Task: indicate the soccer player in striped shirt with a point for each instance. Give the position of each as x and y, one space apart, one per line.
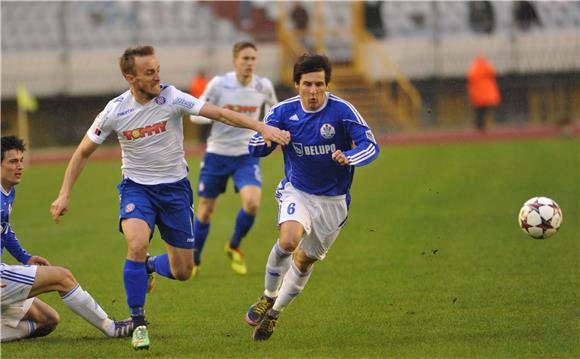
329 139
227 152
22 314
154 191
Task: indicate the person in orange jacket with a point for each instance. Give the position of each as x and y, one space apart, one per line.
483 90
198 84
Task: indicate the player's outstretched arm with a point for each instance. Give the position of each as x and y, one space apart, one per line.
75 166
229 117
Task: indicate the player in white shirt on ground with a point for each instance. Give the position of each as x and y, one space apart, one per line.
227 152
22 314
329 139
154 191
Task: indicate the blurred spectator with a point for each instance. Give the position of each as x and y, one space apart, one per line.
374 18
299 16
525 15
481 16
483 90
300 20
198 84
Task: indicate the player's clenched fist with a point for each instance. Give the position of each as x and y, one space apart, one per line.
340 157
58 208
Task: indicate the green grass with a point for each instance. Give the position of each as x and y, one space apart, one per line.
430 265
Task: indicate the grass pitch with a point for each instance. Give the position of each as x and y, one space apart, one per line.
431 264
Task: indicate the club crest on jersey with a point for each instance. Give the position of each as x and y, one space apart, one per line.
160 100
129 208
327 131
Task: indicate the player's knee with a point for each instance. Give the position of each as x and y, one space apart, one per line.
289 241
183 274
46 324
303 262
251 207
205 216
137 249
66 279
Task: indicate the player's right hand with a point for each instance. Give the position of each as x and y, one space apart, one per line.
274 134
58 208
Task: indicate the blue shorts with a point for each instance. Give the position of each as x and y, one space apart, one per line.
216 169
167 205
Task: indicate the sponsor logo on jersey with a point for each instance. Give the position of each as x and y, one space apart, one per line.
160 100
242 108
118 99
370 136
97 131
126 112
259 86
313 150
146 131
294 117
327 131
129 208
298 148
183 102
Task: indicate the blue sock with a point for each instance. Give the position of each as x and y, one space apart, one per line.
135 278
244 222
162 266
201 231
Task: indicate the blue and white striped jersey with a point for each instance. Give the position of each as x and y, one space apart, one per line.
308 163
9 239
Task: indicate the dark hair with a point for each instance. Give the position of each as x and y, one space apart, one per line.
312 63
127 60
239 46
12 143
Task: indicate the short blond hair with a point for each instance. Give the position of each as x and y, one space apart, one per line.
127 60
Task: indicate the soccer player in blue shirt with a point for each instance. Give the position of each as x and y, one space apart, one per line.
329 139
154 191
22 314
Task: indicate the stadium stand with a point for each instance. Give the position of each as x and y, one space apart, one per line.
64 48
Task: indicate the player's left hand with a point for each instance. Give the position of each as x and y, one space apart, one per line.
38 260
340 157
273 134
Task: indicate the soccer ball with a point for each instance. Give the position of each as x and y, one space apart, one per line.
540 217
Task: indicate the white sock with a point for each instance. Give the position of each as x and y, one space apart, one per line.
22 330
81 302
276 268
292 285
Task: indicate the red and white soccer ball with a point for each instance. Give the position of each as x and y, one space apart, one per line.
540 217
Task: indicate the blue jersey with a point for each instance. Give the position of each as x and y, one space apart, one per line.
308 162
9 239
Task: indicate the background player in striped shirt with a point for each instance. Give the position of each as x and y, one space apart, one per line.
154 191
227 152
329 139
22 314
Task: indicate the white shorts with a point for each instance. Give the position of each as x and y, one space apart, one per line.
18 280
321 216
